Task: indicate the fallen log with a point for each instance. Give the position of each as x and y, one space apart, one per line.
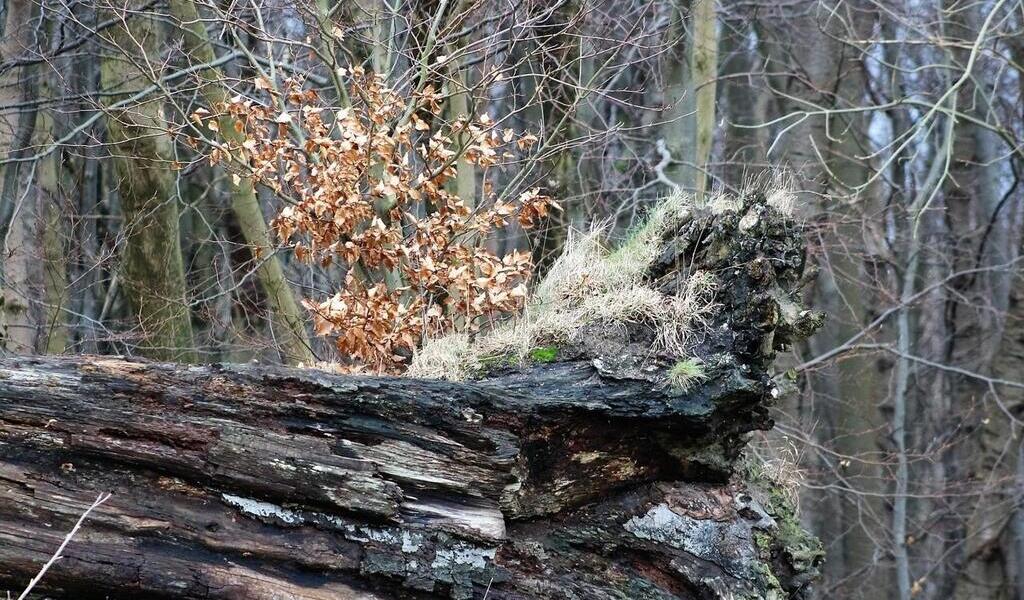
577 476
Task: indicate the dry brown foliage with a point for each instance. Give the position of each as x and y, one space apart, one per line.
365 185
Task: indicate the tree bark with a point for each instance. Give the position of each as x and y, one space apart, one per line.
153 270
691 76
586 477
288 319
18 315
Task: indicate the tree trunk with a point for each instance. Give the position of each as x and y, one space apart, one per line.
18 311
691 76
704 74
585 477
744 101
285 313
845 393
153 272
351 486
460 106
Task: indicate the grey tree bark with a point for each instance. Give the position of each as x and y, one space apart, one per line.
18 315
152 270
690 79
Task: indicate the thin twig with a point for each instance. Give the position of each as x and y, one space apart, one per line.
67 539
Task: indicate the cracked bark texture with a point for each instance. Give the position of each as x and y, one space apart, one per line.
585 477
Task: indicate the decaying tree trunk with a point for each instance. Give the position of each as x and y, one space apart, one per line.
583 477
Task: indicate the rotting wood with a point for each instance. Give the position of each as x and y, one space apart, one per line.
586 477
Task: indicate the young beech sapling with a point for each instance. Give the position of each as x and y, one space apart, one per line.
365 184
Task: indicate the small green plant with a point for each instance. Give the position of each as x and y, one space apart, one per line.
687 373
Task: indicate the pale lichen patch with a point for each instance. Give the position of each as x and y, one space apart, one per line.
728 544
38 377
463 555
411 542
262 510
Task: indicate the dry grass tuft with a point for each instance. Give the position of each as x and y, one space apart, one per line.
776 186
449 357
783 201
722 203
688 314
586 285
777 460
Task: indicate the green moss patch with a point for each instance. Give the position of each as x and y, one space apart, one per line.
544 354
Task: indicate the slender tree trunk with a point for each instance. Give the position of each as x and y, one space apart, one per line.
381 34
87 273
460 106
54 338
53 208
152 272
286 316
1017 522
19 23
743 104
704 61
558 91
985 233
899 425
679 100
847 394
690 82
1014 333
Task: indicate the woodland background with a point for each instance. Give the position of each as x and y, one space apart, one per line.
899 123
